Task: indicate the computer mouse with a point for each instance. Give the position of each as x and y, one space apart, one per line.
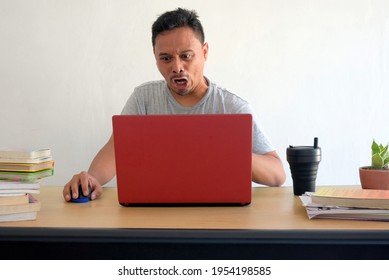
81 197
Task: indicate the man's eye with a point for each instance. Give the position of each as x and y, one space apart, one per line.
186 56
165 58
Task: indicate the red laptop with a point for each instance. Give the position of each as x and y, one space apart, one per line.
183 159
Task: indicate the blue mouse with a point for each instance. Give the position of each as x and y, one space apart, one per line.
81 197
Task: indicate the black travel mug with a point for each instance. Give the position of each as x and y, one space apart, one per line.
304 164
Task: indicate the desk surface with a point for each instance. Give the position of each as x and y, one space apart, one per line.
271 209
274 226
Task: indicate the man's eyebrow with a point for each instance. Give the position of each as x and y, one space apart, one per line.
168 54
163 54
188 50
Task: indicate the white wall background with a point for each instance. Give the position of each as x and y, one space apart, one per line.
309 68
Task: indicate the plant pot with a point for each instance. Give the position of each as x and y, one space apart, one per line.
374 178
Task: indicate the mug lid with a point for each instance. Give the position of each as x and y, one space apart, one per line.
303 151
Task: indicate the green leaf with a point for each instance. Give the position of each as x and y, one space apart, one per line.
377 161
375 148
383 151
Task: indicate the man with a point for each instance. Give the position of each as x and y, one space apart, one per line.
180 53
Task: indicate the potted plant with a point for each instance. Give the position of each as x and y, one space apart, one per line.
376 176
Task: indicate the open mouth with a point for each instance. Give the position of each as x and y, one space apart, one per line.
180 81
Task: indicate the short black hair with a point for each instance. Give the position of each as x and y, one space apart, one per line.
175 19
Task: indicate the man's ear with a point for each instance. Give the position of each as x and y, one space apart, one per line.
205 50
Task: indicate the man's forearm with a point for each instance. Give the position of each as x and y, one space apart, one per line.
267 169
103 165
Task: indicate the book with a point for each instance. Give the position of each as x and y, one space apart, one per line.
26 167
24 153
33 205
26 176
18 191
13 199
15 217
352 197
26 160
18 187
15 185
318 211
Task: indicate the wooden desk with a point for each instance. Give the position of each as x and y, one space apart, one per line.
273 226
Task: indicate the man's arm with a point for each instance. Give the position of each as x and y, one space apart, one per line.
267 169
103 165
101 171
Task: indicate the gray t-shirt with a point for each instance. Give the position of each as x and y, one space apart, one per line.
154 98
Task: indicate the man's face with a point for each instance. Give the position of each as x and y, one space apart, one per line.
180 58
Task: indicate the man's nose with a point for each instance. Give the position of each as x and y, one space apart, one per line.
178 66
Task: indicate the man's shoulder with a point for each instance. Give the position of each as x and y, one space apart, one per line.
226 94
151 85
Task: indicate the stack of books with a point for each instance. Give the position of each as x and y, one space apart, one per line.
347 203
21 172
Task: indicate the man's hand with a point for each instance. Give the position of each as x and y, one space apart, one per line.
84 179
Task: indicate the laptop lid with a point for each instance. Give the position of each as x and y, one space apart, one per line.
183 159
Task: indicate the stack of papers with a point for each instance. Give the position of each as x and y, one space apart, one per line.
316 210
